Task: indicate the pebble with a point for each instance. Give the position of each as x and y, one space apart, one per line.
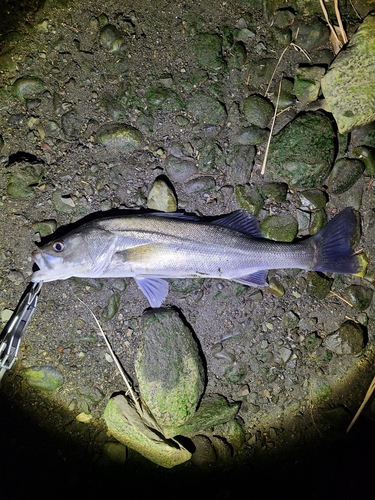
27 87
313 198
367 156
310 35
180 170
206 109
200 184
204 454
240 163
62 203
119 136
302 153
208 51
252 136
348 86
112 306
45 227
348 339
110 38
249 198
280 227
161 196
318 285
46 378
359 296
307 83
258 110
345 173
115 452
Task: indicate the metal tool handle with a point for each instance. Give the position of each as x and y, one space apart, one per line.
11 336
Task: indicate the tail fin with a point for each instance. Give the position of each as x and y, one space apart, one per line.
334 253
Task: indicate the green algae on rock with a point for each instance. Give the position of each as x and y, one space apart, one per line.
280 227
302 153
169 369
45 377
28 87
119 136
349 85
127 426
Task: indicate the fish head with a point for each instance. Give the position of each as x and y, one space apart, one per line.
80 253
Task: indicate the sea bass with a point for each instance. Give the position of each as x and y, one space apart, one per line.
152 246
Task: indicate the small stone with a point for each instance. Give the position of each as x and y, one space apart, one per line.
200 184
62 203
180 170
290 320
237 56
249 198
317 285
119 136
348 339
359 296
161 196
204 454
307 83
208 49
43 377
285 354
45 227
280 227
252 136
111 39
112 306
206 109
349 84
258 110
310 35
286 97
318 220
302 153
367 156
313 199
275 190
345 173
84 418
240 163
28 87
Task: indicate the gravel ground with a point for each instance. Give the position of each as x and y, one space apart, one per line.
144 64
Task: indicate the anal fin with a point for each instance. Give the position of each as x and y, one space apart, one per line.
155 289
255 279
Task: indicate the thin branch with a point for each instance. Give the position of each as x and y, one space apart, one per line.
366 398
272 127
114 357
339 20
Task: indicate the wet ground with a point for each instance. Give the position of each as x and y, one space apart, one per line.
264 348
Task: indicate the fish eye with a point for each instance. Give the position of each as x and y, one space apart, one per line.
58 246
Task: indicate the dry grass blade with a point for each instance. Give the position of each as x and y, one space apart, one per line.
339 20
114 357
272 127
366 398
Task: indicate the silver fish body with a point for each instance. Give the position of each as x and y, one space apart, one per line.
151 247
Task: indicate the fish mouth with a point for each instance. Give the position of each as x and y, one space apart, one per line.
46 266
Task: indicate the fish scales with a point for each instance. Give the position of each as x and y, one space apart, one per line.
151 247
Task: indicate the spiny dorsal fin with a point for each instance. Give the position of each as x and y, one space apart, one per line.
242 222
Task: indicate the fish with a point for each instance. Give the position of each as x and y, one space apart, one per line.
152 247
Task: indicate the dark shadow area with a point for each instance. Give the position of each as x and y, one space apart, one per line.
31 460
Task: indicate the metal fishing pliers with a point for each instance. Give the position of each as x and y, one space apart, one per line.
11 336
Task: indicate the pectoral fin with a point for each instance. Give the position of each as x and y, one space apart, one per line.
155 289
255 279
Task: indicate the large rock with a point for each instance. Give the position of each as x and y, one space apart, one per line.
126 424
169 369
302 153
349 85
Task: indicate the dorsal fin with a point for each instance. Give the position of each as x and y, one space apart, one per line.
242 222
